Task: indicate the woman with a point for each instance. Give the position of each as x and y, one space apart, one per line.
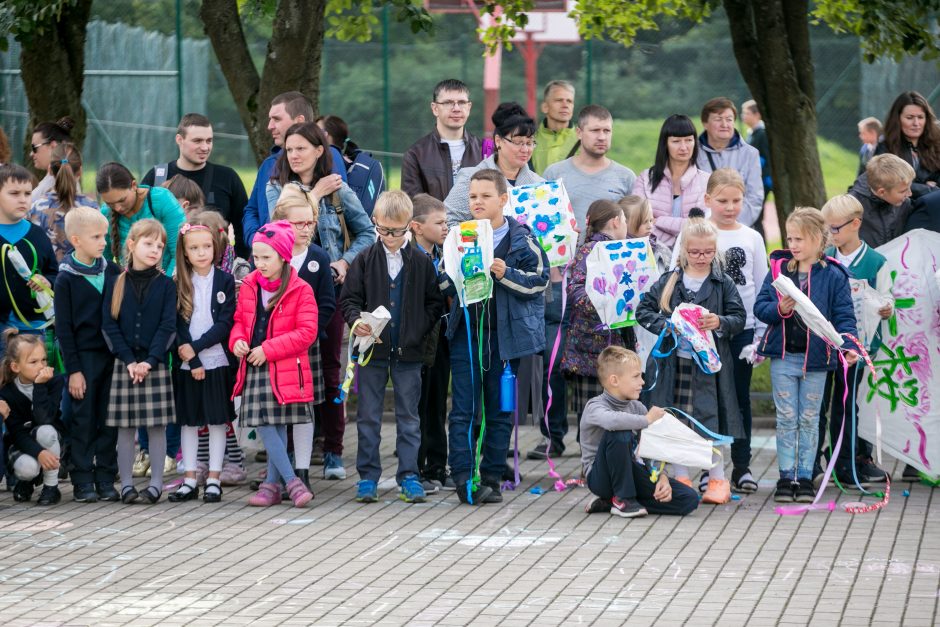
911 132
514 136
306 161
46 136
674 184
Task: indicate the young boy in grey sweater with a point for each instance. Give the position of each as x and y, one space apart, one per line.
620 481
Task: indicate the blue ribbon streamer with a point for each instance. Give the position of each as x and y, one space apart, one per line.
720 440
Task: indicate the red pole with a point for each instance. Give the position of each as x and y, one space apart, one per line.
530 54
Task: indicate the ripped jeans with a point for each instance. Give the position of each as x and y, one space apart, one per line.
798 398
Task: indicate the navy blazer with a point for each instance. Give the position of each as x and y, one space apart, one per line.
78 314
223 318
143 331
316 271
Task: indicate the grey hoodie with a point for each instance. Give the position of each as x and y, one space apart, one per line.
740 156
606 413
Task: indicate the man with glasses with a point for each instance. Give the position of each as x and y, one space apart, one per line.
431 163
722 147
556 138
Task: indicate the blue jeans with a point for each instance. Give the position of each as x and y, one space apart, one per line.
741 448
798 398
558 412
406 383
465 402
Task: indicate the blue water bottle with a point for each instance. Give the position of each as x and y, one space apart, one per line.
507 390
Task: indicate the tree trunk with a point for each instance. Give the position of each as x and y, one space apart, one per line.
771 45
52 68
292 62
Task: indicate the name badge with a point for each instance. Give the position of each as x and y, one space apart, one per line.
313 266
220 297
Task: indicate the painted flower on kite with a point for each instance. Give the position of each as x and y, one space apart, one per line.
542 225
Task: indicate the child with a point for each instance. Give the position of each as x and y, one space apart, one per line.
744 259
18 305
124 202
513 326
884 191
312 264
605 221
275 324
799 359
79 298
397 277
620 482
139 322
639 217
429 230
187 193
676 380
843 215
29 402
203 383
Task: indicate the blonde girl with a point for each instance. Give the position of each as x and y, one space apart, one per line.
639 216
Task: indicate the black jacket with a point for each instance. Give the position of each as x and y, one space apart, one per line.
881 222
223 319
426 166
78 308
367 287
38 254
26 415
144 331
921 174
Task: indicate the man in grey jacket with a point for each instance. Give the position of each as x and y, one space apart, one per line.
721 146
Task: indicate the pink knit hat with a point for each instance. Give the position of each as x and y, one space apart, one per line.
279 236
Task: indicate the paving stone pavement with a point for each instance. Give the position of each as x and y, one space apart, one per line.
533 559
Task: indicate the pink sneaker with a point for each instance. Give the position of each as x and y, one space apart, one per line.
233 474
299 493
268 494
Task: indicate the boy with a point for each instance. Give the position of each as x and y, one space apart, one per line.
620 482
845 217
869 133
508 325
429 228
88 362
404 281
884 191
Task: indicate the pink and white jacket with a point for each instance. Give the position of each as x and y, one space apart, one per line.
666 228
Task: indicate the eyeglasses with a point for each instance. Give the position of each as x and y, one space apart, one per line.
454 104
384 230
36 147
303 224
701 254
523 144
835 229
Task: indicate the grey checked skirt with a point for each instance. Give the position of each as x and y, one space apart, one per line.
260 407
316 369
146 404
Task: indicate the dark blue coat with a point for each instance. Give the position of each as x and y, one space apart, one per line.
315 270
144 331
223 318
828 289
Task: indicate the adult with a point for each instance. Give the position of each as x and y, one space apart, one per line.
46 136
590 175
870 133
757 137
287 109
221 185
674 185
556 138
343 230
431 164
364 174
721 146
912 133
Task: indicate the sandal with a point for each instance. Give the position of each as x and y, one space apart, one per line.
129 494
743 482
151 494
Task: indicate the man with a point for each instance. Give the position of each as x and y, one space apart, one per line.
221 185
287 109
430 165
555 139
723 147
757 137
588 176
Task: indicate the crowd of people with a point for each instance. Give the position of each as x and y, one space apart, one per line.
142 324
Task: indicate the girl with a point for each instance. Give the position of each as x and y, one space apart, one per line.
312 264
275 324
912 133
138 323
49 211
675 380
30 397
187 193
674 184
203 382
799 360
639 216
124 203
605 221
46 136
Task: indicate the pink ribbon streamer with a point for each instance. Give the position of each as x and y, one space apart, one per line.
559 480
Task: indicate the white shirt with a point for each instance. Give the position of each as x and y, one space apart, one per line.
25 388
214 356
457 148
297 261
848 260
395 262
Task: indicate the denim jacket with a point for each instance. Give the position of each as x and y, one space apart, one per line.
361 231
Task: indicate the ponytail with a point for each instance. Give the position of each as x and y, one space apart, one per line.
66 165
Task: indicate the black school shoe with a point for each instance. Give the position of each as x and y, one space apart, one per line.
785 491
22 491
480 494
212 493
85 493
106 492
50 495
805 493
184 493
493 484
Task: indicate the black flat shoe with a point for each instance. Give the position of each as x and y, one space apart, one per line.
184 493
151 494
212 494
129 495
22 491
50 495
106 492
84 493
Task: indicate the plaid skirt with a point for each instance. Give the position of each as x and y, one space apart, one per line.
316 368
682 397
583 389
260 406
146 404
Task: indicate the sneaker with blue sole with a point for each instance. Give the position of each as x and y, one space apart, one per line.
366 491
411 490
333 466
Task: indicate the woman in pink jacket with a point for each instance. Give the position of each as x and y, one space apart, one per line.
674 184
275 324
